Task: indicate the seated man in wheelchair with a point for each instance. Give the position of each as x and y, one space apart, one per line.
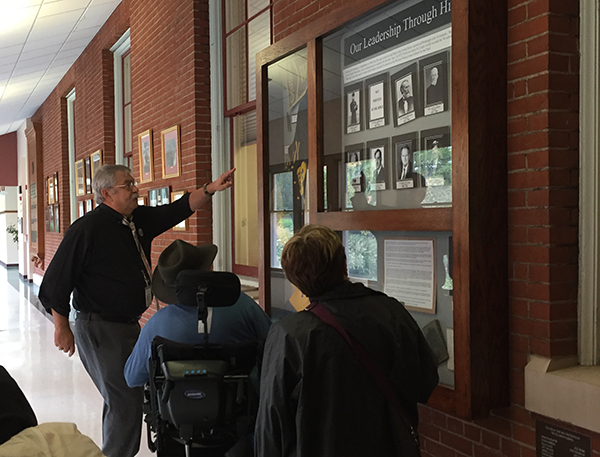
178 351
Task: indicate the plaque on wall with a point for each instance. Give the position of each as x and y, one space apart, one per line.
554 441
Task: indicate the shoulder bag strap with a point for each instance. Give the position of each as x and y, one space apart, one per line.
372 367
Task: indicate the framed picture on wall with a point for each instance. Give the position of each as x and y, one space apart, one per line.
165 195
88 205
171 153
88 175
96 161
152 197
56 218
146 156
51 218
80 177
183 225
142 200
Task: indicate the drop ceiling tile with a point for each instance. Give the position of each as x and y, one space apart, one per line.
62 6
52 40
8 61
88 34
32 51
80 43
17 38
96 16
39 63
10 50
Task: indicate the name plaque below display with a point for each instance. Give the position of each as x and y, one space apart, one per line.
553 441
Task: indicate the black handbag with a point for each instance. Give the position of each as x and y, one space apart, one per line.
376 372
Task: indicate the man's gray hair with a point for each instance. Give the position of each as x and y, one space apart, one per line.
104 178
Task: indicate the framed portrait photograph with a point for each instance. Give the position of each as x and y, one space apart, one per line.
50 186
377 96
56 218
434 159
163 196
88 175
146 156
377 170
171 153
96 161
152 197
403 151
354 154
80 177
434 80
354 107
183 225
405 95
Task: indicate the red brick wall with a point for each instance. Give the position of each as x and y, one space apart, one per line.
8 158
170 77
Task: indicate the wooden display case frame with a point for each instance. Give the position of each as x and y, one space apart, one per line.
478 216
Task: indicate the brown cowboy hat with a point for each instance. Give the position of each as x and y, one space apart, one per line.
176 257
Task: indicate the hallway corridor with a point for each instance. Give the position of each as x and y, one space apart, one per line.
57 386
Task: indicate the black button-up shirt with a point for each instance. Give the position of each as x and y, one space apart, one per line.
99 262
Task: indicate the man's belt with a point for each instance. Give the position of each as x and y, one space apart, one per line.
97 317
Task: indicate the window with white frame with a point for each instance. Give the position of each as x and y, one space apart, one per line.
71 149
589 187
122 77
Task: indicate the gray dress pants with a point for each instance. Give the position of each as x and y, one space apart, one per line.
104 348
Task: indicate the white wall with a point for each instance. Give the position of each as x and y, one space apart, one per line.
9 254
25 265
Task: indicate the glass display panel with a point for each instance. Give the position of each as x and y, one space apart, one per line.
387 113
288 165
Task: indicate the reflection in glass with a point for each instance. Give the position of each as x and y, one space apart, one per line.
361 255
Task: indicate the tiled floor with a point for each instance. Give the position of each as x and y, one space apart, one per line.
57 386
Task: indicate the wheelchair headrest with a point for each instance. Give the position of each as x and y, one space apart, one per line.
222 288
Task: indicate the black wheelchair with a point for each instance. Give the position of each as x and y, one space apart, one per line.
201 400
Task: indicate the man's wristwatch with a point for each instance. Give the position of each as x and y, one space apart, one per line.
206 192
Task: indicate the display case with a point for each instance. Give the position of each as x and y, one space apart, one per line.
387 123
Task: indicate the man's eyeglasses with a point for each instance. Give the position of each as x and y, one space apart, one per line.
128 185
